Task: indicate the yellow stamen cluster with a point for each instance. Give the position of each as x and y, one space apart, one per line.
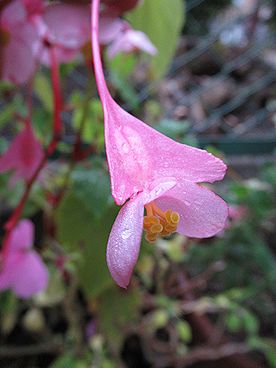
159 223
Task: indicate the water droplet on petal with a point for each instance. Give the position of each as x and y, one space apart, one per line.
187 203
125 147
126 234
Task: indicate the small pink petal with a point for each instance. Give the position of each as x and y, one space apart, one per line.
202 213
110 28
124 241
23 155
30 275
22 237
129 41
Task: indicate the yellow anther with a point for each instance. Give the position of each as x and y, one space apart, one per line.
157 228
175 218
158 222
151 238
150 220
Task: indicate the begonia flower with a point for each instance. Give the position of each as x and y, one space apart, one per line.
22 270
23 155
149 170
17 38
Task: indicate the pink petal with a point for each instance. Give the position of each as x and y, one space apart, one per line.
130 41
30 275
18 62
202 213
68 25
13 14
23 155
22 237
34 7
137 154
124 241
110 28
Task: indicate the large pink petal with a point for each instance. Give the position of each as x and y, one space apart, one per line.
124 241
202 212
22 237
68 25
136 153
30 276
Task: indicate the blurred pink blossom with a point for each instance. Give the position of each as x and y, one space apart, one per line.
23 155
130 40
17 36
147 169
22 270
66 28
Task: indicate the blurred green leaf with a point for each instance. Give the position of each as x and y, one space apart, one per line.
271 357
92 187
81 231
172 128
162 21
233 321
118 308
184 331
89 114
8 111
43 90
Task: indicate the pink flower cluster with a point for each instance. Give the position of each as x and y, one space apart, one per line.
30 28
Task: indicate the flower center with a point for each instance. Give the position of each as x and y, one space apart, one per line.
159 223
4 37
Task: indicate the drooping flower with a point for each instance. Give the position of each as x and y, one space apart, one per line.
23 155
17 38
22 269
149 170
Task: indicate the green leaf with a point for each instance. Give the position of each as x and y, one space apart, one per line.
184 331
7 112
117 309
44 91
93 189
90 115
79 230
162 21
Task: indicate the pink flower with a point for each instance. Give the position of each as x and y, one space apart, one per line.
149 170
23 155
130 40
22 269
17 36
64 27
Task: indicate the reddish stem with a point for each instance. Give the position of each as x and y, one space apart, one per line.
57 130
